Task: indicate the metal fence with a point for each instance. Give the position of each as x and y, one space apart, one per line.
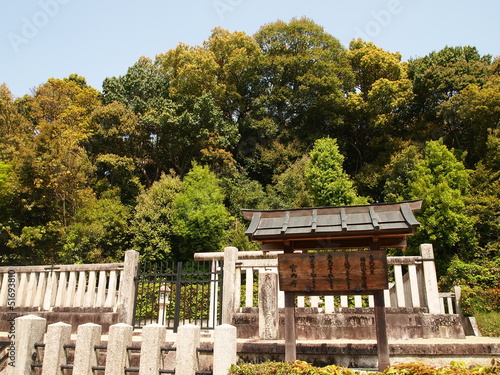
173 294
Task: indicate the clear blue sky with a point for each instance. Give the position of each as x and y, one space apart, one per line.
40 39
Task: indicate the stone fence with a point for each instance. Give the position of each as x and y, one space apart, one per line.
105 291
51 349
414 289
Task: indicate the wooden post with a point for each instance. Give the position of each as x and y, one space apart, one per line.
381 331
380 321
290 338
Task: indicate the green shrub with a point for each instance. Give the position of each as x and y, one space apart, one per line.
489 323
414 368
287 368
478 299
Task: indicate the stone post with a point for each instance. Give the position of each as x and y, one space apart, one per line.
29 330
430 279
88 336
58 335
153 337
228 285
188 341
126 295
120 336
224 349
249 288
268 305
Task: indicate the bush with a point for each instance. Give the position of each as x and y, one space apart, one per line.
414 368
475 300
287 368
489 323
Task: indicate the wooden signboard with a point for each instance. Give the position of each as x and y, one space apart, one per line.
333 272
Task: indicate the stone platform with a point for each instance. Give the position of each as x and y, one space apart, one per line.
346 353
363 353
357 324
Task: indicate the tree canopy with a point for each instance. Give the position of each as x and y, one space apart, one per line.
165 156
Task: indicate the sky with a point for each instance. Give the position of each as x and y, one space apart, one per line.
40 39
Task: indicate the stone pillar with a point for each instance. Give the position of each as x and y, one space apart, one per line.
430 279
120 336
224 349
249 288
88 336
268 305
415 298
188 341
237 289
58 335
229 283
153 337
126 296
29 330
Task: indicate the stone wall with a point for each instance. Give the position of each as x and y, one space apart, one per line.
356 324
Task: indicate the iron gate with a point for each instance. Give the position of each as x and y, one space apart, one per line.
173 294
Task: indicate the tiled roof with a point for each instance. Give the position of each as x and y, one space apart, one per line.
395 220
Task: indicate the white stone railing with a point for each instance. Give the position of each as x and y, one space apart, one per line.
45 287
78 286
414 285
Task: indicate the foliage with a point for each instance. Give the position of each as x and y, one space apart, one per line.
152 222
413 368
480 300
290 189
286 368
99 232
79 166
441 180
328 184
200 218
481 273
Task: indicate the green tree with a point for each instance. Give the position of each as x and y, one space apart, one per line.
441 180
328 184
438 77
484 200
153 219
52 171
200 218
143 83
290 188
470 115
98 233
305 73
376 110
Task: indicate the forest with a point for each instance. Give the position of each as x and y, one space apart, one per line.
164 157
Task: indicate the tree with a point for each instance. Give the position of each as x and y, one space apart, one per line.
470 115
200 218
153 219
143 83
290 188
239 59
438 77
328 184
376 110
301 91
51 168
484 200
98 233
441 180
